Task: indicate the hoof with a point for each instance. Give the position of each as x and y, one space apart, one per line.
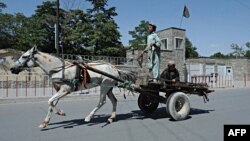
110 120
61 113
43 124
87 119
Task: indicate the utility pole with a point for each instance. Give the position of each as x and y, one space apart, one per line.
57 38
57 29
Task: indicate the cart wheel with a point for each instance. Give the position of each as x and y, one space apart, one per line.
178 106
147 104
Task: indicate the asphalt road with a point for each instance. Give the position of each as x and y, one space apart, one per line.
19 121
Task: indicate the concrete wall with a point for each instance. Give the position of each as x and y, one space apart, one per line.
240 66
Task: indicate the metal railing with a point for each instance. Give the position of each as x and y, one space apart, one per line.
112 60
22 86
214 81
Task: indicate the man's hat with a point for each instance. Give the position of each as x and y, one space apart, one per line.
153 25
171 62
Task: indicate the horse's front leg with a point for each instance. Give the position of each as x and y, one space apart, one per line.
114 103
52 106
45 122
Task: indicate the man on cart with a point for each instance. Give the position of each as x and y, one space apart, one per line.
170 74
153 50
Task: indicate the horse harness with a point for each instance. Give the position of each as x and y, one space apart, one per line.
82 76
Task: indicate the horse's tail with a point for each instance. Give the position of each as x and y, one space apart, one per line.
128 75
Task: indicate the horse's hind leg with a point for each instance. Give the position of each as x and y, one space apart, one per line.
102 101
114 103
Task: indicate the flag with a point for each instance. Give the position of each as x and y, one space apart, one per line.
186 12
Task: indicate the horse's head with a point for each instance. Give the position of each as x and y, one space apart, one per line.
27 60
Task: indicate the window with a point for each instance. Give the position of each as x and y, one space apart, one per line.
209 69
229 71
164 44
195 69
178 43
221 70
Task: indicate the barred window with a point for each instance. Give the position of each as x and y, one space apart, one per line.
164 44
178 43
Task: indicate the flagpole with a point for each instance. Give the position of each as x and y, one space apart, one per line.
181 21
57 29
181 18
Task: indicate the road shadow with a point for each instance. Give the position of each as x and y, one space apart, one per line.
65 124
160 113
196 111
97 119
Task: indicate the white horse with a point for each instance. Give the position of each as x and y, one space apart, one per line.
66 78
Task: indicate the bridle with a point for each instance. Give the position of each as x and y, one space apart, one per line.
29 57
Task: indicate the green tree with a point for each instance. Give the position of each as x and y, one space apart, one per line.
31 33
10 27
74 29
42 25
2 5
78 29
22 37
218 55
190 50
37 29
112 51
237 50
247 54
139 35
104 31
6 30
248 45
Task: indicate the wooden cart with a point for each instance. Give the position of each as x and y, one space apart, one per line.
176 97
176 94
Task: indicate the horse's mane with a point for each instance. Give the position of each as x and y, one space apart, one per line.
128 75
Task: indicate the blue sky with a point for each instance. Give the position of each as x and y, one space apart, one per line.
212 27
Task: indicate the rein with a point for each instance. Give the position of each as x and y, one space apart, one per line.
84 73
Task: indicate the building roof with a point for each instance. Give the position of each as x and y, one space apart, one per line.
171 28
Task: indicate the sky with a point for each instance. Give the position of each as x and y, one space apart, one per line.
212 27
